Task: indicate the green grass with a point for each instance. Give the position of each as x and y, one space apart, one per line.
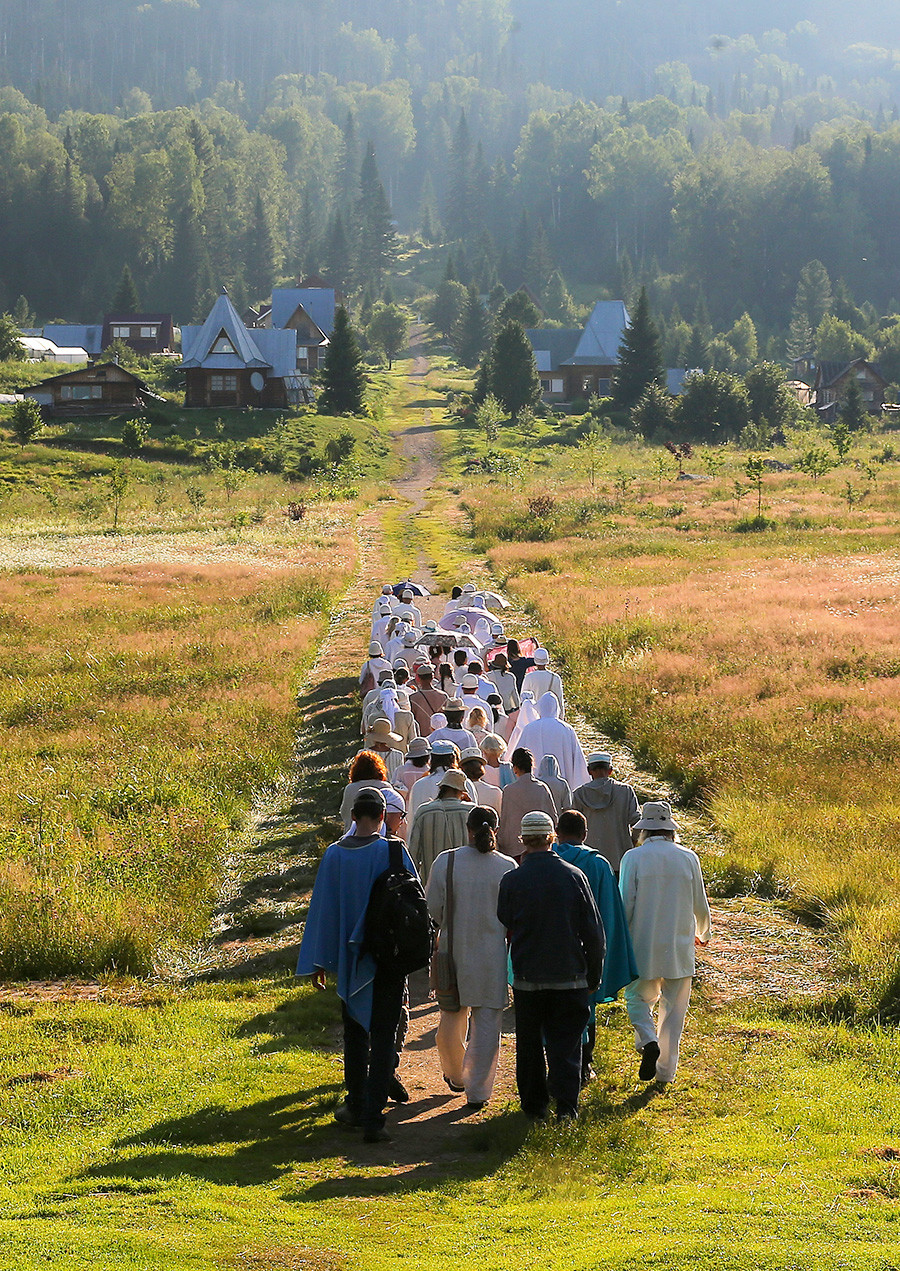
193 1130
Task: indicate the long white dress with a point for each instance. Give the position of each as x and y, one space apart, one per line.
468 1040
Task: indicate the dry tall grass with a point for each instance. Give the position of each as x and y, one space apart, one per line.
142 707
760 673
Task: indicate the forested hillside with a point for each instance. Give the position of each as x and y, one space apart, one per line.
710 153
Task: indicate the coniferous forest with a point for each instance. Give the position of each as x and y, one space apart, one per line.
742 162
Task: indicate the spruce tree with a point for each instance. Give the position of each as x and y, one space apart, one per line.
556 299
471 331
126 298
853 408
343 380
260 258
338 252
640 357
376 245
514 376
458 209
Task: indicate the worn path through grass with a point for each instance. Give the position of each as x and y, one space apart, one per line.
188 1123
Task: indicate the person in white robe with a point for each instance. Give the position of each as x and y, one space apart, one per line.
527 714
374 664
550 735
468 1040
540 679
668 915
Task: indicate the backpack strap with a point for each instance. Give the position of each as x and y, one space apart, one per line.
395 848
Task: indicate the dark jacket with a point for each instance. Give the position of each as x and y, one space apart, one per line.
556 937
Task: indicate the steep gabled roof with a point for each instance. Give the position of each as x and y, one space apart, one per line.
828 372
552 346
602 335
223 317
317 302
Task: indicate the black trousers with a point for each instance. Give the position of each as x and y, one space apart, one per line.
371 1057
549 1025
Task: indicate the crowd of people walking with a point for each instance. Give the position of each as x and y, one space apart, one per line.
541 871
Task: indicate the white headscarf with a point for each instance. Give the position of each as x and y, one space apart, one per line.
388 699
528 713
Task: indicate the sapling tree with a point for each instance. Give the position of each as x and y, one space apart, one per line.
755 470
26 421
488 417
593 446
815 462
841 438
119 481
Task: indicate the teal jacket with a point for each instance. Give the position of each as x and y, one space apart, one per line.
619 967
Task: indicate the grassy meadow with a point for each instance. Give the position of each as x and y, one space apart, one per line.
157 613
754 661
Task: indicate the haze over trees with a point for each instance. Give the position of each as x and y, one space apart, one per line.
743 166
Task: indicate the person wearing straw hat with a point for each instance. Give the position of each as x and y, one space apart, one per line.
610 808
415 768
463 902
452 729
382 739
556 948
426 700
668 916
473 765
441 824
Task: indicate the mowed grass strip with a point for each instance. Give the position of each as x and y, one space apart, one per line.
193 1129
142 707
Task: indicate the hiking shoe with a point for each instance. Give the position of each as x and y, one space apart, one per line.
455 1088
397 1092
649 1056
345 1116
377 1136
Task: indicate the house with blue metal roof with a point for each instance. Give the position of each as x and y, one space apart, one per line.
573 364
227 365
309 313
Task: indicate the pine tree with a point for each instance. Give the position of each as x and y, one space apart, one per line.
800 336
458 209
696 355
22 313
853 408
338 252
191 271
126 298
540 261
514 376
260 257
444 311
482 385
556 299
813 296
343 379
471 332
640 357
376 245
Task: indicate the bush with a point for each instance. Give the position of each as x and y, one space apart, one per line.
754 525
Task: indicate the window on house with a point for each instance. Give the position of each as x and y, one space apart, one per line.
223 383
222 344
556 386
149 333
603 388
121 333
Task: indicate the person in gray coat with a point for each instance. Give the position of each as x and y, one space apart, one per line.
610 808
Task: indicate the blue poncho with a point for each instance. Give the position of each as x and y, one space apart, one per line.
619 967
335 925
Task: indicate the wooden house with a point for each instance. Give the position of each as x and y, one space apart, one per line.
146 333
102 389
228 365
575 364
830 386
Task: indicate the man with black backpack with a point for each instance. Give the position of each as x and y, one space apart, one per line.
368 922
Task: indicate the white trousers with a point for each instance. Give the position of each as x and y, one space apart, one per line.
468 1042
673 997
